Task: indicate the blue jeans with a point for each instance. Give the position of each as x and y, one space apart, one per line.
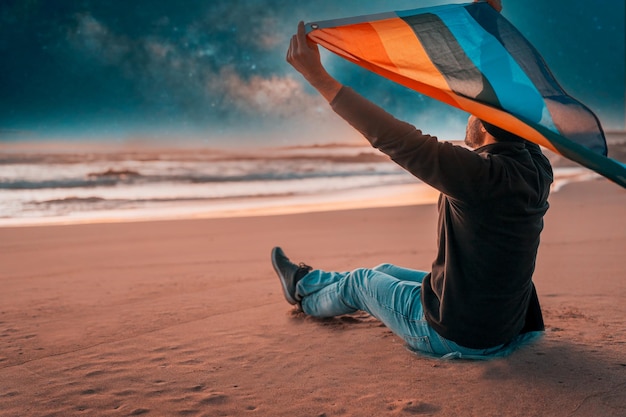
392 294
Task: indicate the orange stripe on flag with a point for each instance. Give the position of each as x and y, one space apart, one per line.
404 50
363 44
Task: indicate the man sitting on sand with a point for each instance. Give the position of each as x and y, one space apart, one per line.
479 300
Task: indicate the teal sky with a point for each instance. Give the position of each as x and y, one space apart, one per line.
215 71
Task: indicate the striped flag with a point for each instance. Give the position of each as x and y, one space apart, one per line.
470 57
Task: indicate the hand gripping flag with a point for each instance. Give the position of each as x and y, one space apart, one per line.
472 58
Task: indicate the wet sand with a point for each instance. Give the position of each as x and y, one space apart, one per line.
186 318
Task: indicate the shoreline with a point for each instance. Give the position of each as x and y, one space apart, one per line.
388 196
188 318
374 197
171 201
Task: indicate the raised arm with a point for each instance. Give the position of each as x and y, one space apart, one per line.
304 56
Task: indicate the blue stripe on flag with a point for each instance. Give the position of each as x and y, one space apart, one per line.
519 97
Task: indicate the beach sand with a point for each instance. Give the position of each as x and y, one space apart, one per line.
186 318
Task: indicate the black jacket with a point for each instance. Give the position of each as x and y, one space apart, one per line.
480 292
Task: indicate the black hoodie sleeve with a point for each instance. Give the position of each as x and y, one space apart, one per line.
453 170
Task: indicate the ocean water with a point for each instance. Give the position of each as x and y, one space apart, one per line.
66 185
44 186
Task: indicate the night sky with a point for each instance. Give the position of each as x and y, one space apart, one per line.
215 70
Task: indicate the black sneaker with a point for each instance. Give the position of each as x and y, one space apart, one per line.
289 274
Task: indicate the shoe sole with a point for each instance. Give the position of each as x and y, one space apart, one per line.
288 296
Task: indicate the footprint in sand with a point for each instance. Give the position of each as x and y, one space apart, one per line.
420 408
89 392
191 362
415 407
125 393
215 399
95 373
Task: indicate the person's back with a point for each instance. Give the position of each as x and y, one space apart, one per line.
479 300
491 210
480 291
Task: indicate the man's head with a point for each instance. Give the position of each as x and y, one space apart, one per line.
475 133
480 133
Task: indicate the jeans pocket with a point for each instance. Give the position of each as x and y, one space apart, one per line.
419 343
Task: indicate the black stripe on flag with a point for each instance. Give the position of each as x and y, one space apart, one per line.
450 59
